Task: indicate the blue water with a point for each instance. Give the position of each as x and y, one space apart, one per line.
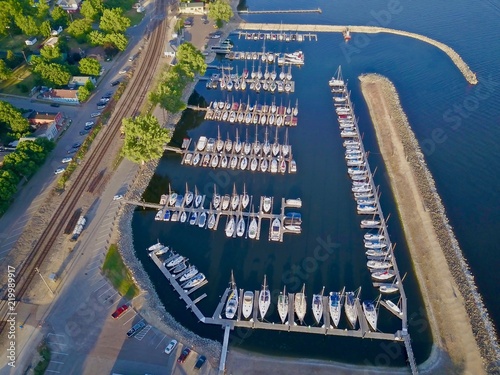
459 149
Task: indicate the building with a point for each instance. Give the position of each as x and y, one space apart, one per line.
77 81
48 131
62 96
31 41
42 118
170 50
69 6
51 42
192 8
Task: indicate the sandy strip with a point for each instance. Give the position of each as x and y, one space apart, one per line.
451 326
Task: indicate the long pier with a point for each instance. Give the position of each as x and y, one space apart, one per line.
469 75
279 11
280 37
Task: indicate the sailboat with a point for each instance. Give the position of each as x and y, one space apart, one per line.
188 197
252 228
211 219
394 307
264 300
230 226
235 199
266 205
285 149
216 199
219 144
172 196
198 198
350 308
295 111
245 199
317 305
336 306
276 146
266 147
370 313
301 304
283 305
240 227
232 300
247 147
237 143
256 145
247 307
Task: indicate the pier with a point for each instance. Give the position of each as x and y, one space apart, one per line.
279 11
469 75
281 37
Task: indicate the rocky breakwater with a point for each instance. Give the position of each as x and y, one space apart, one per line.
469 75
460 323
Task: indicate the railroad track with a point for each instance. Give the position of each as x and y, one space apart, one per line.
129 104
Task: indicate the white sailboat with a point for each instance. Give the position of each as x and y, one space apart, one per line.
335 301
247 307
393 307
266 205
240 227
232 300
198 198
350 308
266 147
216 199
264 300
301 304
237 143
230 226
245 199
283 305
252 228
235 199
317 306
370 313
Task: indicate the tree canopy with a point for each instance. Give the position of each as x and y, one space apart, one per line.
5 71
112 21
144 139
189 56
13 119
53 74
79 28
60 17
51 53
89 66
220 11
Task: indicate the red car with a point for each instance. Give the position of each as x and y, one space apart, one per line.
119 311
183 355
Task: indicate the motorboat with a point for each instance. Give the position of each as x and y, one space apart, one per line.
383 275
370 314
283 305
156 246
189 273
232 300
210 145
266 205
264 300
317 306
387 288
179 268
198 279
226 200
335 305
297 202
193 218
350 308
263 165
175 216
230 226
247 307
366 209
377 253
293 166
373 237
370 223
166 215
275 230
274 166
175 261
159 215
301 304
252 228
202 220
162 251
378 265
183 217
240 227
393 307
202 142
375 245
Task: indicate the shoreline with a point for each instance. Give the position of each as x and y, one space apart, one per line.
459 321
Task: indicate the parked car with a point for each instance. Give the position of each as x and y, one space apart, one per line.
105 99
67 160
76 145
184 355
89 123
171 346
60 170
138 327
117 197
133 57
95 114
119 311
200 362
55 105
114 83
101 106
84 131
124 70
72 151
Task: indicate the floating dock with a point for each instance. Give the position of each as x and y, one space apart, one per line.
279 11
280 37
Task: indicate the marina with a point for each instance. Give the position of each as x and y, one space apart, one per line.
281 36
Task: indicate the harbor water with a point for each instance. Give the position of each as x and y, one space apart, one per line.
456 125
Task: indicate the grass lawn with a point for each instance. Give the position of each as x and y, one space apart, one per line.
118 274
135 18
20 76
14 43
44 362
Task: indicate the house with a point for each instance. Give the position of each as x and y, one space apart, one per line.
51 42
48 131
41 118
192 8
56 32
69 6
78 81
31 41
62 96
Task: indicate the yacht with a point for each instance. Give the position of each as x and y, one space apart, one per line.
232 300
193 218
335 301
370 314
211 221
179 268
245 199
264 300
374 237
301 304
240 227
230 226
370 223
387 288
202 220
350 308
275 230
189 273
252 228
283 305
266 205
383 275
263 165
156 246
393 307
175 261
162 251
375 245
317 306
198 279
183 217
226 200
378 265
202 142
247 307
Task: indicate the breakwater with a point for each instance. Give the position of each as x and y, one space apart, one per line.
469 75
444 311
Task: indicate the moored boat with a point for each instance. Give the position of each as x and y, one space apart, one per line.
189 273
283 305
247 307
335 305
350 308
198 279
317 306
156 246
301 304
370 314
232 300
264 300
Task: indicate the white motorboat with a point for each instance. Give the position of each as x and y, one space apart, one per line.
189 273
335 305
175 216
393 307
175 261
378 265
202 142
193 218
283 305
159 215
240 227
317 306
230 226
375 245
226 200
301 304
274 166
350 308
275 230
373 237
198 279
162 251
202 220
383 275
247 307
297 202
377 253
293 166
264 300
266 205
156 246
232 300
366 209
388 288
252 228
370 223
370 314
183 217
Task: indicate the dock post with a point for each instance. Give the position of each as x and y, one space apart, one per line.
222 364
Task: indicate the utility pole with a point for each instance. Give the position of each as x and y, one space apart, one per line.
47 285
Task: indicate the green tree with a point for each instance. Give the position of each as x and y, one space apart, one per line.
192 58
53 74
8 187
88 11
50 53
60 17
10 55
83 93
118 40
5 71
12 118
220 11
79 28
45 28
89 66
96 38
27 24
112 21
144 139
42 9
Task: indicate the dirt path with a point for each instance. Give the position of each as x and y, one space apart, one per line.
450 322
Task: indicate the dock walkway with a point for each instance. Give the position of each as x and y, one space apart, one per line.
279 11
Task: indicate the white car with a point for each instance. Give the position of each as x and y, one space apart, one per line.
95 114
67 160
117 197
171 346
60 170
89 123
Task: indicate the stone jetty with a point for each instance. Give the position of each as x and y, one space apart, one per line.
469 75
459 321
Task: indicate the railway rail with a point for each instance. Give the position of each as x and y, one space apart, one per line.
130 102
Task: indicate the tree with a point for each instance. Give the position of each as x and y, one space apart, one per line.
10 55
13 118
144 139
96 38
88 11
220 11
53 74
79 28
89 66
42 10
190 56
60 17
112 21
45 28
50 53
118 40
8 187
83 93
5 71
27 24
